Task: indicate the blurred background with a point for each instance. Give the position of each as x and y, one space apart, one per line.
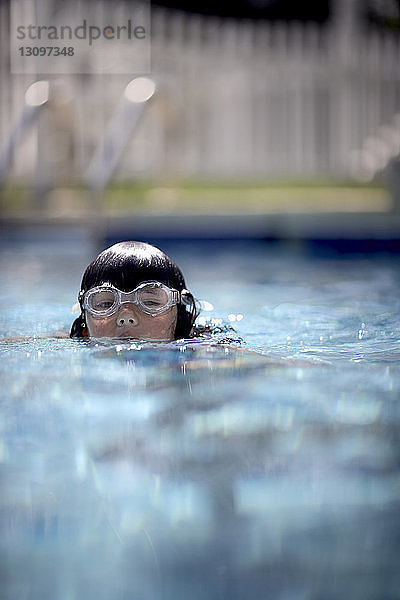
261 108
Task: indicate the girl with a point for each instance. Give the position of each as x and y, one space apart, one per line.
134 290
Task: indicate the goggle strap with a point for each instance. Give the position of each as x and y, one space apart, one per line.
184 297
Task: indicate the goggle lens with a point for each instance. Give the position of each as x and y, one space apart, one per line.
153 298
102 300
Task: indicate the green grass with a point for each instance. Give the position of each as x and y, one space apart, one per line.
245 196
202 196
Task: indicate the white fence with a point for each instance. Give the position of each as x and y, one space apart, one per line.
235 100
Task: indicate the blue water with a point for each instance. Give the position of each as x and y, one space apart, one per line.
134 471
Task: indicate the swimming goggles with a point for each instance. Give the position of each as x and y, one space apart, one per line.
152 297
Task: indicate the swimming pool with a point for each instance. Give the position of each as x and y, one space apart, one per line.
196 471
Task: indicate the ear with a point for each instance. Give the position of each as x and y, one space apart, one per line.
79 329
84 328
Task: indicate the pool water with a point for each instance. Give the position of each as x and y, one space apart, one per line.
197 470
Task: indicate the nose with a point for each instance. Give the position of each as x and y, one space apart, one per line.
127 318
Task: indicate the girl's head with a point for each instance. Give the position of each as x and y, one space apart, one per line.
134 290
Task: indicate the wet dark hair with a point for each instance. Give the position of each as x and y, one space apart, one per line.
127 264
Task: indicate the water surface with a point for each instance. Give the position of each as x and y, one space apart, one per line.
197 470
